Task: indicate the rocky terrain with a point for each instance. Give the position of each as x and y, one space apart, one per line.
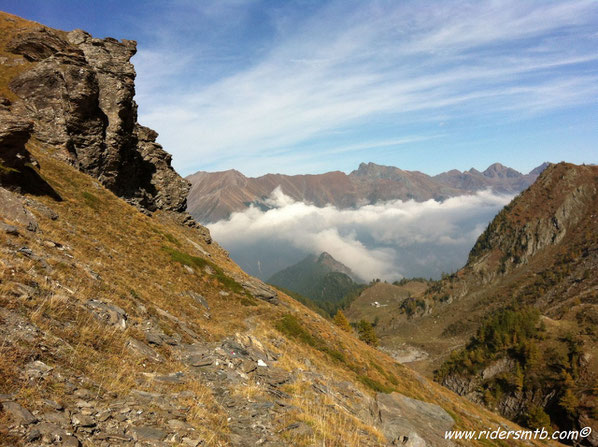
519 319
77 94
127 325
215 195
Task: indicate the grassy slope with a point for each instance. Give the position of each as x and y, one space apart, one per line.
107 237
12 64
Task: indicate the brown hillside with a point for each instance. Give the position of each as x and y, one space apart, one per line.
539 255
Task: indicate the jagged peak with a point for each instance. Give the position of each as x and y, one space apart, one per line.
373 170
325 256
95 121
501 171
539 169
327 260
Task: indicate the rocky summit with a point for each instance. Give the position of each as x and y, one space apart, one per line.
75 93
129 326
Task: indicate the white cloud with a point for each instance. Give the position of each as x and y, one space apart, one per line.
386 240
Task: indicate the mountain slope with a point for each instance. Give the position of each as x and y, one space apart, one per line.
542 252
122 326
527 296
215 195
322 279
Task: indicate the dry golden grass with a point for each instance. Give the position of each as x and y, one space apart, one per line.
116 254
12 64
205 414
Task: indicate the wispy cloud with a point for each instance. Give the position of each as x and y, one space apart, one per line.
351 65
386 240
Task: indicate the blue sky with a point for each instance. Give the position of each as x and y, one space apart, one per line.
310 86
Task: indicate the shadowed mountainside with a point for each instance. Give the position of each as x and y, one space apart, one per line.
324 280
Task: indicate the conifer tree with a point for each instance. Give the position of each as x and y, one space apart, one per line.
341 321
366 333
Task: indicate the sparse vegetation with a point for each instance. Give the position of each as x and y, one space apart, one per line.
291 326
201 263
411 306
367 333
91 200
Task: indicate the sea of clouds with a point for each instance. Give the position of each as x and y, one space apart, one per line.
387 240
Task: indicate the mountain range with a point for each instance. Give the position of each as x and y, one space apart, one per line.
215 195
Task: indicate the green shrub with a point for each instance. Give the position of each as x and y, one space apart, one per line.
366 333
536 417
388 375
290 325
245 301
411 305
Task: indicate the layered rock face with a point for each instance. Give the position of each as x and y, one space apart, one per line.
541 218
79 96
18 168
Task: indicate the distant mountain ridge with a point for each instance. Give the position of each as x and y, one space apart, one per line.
216 195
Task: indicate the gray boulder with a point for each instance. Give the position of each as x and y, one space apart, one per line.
18 413
411 422
13 210
108 313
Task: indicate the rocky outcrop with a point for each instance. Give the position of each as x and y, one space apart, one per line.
13 211
411 422
18 168
170 189
14 133
539 219
469 385
79 97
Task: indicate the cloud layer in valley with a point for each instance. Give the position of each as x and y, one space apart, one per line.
387 240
